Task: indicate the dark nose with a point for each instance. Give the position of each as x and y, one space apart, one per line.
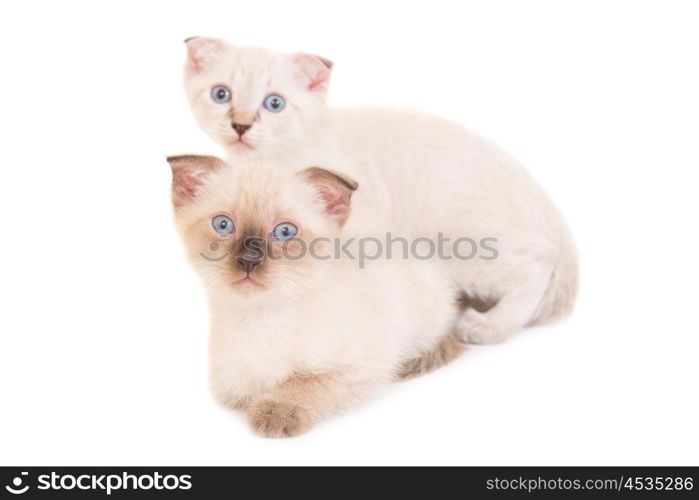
240 128
249 261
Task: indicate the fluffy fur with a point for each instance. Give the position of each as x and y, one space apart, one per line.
420 175
295 340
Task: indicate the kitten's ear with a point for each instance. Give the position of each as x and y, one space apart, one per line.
203 52
313 70
188 173
334 191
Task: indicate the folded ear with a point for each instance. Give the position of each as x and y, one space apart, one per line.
203 52
313 70
188 173
334 191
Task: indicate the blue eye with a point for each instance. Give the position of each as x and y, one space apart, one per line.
285 231
223 225
220 94
274 103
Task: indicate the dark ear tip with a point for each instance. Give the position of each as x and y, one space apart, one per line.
337 177
208 162
326 62
174 160
348 182
190 38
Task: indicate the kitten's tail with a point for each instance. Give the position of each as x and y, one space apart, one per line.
559 298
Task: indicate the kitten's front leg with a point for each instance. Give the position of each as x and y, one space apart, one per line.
295 405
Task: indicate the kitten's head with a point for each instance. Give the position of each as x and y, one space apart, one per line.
252 99
247 228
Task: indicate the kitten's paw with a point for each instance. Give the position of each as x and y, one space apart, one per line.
476 328
274 418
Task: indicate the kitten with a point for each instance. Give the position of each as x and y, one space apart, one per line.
420 175
295 338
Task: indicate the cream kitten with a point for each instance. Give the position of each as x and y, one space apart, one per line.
295 338
420 175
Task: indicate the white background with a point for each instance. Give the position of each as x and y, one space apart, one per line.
103 325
